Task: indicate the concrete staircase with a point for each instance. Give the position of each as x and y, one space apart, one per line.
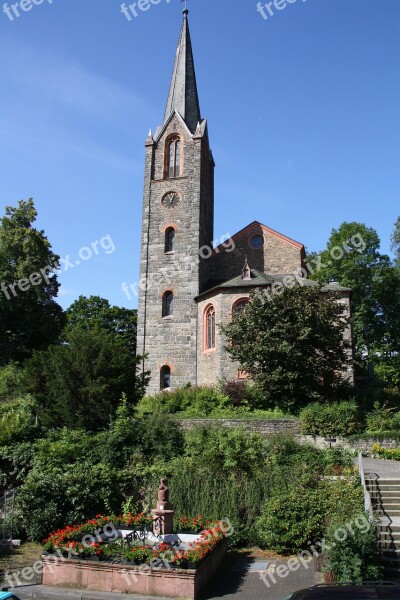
385 497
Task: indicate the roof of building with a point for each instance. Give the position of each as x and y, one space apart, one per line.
259 279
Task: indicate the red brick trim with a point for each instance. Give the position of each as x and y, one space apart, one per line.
205 330
238 301
164 228
165 363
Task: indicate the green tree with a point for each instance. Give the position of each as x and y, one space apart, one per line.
79 383
396 241
95 313
352 257
30 318
292 344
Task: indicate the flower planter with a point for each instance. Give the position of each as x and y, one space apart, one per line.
133 579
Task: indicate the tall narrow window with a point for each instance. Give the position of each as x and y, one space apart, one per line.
168 304
210 328
169 239
165 378
174 158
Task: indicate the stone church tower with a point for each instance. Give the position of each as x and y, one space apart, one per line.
192 287
178 215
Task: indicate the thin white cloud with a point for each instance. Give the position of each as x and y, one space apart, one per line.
54 108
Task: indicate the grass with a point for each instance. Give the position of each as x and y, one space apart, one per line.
14 560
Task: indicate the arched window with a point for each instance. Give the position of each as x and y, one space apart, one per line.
209 324
168 304
165 377
240 305
174 157
169 239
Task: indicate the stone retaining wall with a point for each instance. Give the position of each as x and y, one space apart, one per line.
263 426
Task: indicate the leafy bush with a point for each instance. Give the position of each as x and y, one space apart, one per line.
227 450
18 420
355 558
195 401
295 517
330 420
12 382
389 453
383 419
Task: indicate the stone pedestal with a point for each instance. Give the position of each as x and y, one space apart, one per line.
164 526
163 512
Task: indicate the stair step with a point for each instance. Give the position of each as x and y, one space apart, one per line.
388 500
391 512
387 494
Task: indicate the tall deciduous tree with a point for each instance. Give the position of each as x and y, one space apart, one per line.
96 314
30 318
353 258
292 345
396 241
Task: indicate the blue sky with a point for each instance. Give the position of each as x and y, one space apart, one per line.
303 112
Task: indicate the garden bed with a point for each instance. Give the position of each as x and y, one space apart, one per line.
132 579
122 554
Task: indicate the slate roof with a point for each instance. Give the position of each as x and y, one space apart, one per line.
183 96
259 279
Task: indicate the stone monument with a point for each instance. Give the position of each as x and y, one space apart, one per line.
163 515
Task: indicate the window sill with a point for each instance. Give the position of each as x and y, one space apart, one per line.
168 318
170 253
209 351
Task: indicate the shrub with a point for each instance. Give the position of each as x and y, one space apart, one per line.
291 519
355 558
196 402
18 420
228 450
383 419
330 420
296 517
236 392
12 382
389 453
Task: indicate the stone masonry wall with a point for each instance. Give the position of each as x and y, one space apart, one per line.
277 256
172 340
265 427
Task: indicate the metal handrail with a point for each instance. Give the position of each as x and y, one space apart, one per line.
367 497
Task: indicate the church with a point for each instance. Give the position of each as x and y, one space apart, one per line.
192 284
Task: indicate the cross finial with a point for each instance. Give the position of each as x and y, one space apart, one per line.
185 11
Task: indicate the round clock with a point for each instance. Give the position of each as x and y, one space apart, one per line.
171 200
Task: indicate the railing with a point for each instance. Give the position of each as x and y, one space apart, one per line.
142 534
367 498
7 516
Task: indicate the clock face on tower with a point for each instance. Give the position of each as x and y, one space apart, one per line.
171 200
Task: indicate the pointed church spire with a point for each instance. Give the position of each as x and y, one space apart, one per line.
183 95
